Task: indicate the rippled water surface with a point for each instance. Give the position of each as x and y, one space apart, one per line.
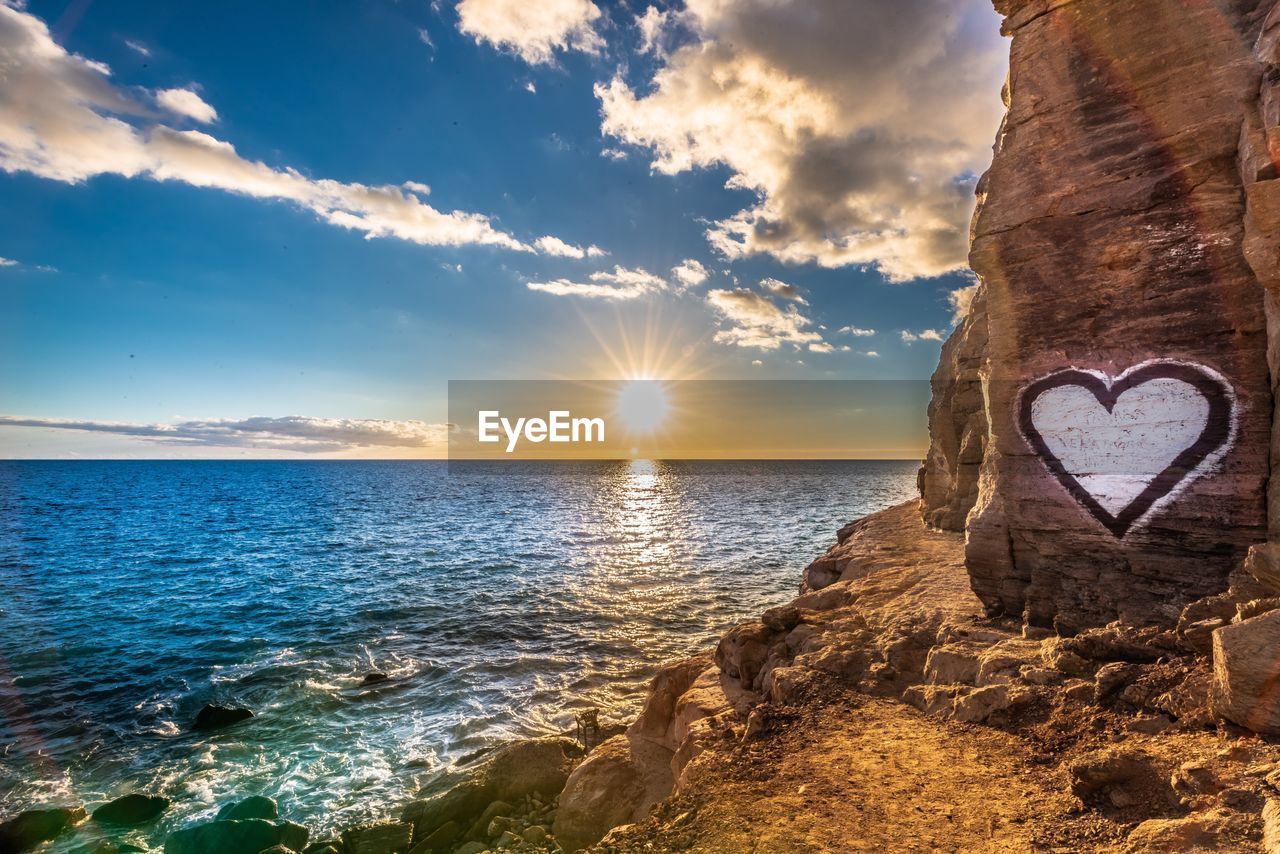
500 599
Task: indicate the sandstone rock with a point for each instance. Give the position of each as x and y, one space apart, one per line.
980 704
216 717
1206 832
240 836
1246 673
1101 773
131 809
28 829
1110 232
657 720
743 651
937 700
951 664
948 478
1263 563
618 783
1056 654
257 806
1271 826
781 619
530 766
1111 678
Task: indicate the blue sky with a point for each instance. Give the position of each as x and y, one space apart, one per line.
145 284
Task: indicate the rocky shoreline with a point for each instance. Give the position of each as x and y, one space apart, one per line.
1118 731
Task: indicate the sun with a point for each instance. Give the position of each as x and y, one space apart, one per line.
642 405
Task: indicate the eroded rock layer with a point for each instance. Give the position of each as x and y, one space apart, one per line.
1111 232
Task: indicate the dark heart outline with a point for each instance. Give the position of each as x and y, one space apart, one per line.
1215 435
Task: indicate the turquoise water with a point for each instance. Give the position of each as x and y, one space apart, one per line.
499 600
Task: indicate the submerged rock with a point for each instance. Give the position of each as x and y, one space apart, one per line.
374 678
238 836
216 717
257 806
28 829
131 809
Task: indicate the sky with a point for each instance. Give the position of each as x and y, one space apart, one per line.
240 230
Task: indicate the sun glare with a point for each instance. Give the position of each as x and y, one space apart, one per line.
641 405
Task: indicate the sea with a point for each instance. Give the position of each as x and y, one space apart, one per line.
499 598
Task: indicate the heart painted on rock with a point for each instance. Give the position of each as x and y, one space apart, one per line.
1122 446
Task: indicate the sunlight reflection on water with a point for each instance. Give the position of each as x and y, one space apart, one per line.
499 603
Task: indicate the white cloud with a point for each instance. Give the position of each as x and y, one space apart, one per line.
184 102
289 433
620 284
416 187
555 246
757 321
137 47
613 153
782 289
857 331
690 273
961 300
8 262
424 36
62 118
858 123
530 87
756 362
923 335
532 31
821 347
651 25
872 354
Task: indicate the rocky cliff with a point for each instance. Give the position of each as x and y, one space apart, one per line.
1126 232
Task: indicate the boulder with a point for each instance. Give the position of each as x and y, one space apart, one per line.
131 809
216 717
439 839
257 806
236 836
28 829
1199 833
1246 673
1110 776
391 837
536 766
531 766
1271 826
618 783
656 721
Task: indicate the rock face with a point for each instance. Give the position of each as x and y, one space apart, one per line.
1126 230
957 423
